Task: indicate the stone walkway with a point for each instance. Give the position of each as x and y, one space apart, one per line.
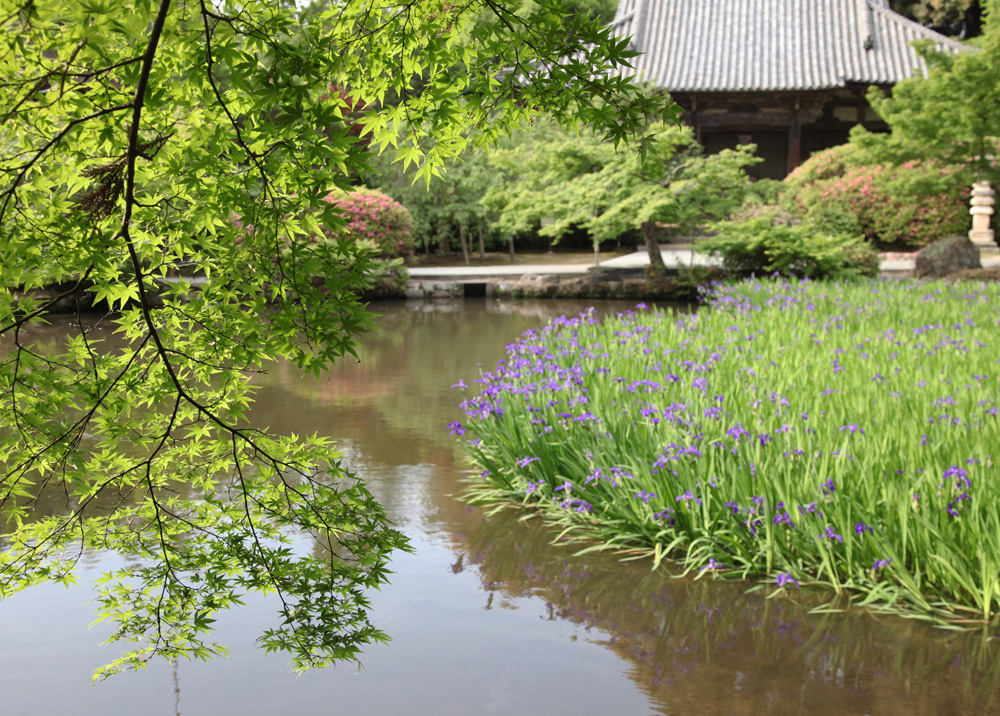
672 257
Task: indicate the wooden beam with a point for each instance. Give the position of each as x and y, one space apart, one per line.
745 119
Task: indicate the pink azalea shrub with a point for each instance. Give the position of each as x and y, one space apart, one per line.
897 206
377 219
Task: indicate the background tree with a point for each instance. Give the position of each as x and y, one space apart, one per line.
952 114
562 182
446 206
137 142
959 18
601 10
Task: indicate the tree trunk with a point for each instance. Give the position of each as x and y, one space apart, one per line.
444 241
482 250
465 243
653 246
511 249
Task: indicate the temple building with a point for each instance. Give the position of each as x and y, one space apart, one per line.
788 75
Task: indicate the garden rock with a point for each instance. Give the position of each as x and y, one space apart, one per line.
940 258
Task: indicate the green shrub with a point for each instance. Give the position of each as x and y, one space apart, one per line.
904 206
375 219
827 244
834 220
764 192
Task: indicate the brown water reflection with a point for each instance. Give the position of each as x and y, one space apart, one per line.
708 647
490 617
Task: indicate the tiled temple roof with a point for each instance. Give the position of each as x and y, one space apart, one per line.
771 45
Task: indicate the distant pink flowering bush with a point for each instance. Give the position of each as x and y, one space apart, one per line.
904 206
375 218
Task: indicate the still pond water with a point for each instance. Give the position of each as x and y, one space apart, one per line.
488 617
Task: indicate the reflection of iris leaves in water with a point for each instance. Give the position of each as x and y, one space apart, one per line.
716 649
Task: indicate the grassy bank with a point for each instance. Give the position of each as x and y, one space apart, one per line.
797 433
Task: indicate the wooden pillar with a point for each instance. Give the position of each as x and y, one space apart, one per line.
694 120
794 138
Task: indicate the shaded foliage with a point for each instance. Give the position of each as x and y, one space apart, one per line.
961 18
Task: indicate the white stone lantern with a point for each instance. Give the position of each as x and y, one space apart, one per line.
982 209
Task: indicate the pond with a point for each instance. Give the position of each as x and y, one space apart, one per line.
488 616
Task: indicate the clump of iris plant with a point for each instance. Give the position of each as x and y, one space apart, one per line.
842 433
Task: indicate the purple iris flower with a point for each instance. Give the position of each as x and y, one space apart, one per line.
688 495
955 506
532 486
961 476
783 518
712 565
644 496
736 431
577 505
810 508
831 534
786 579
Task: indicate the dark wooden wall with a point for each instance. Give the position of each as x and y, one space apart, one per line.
787 127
